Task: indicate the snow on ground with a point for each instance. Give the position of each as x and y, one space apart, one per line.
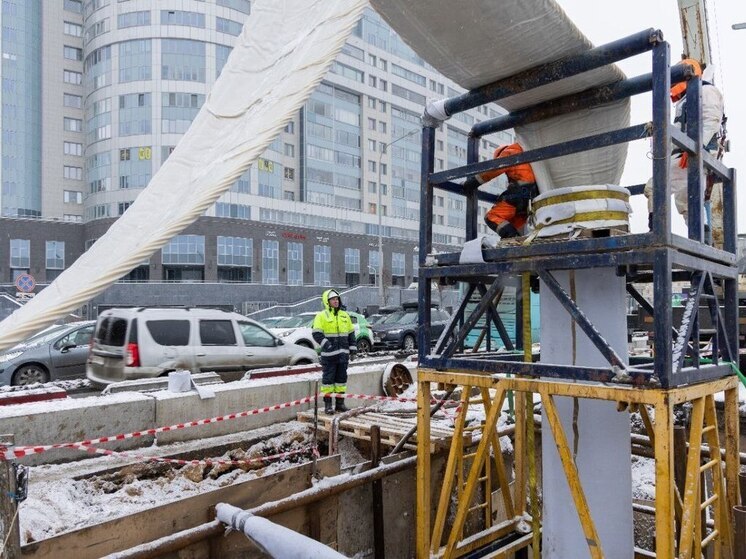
59 504
643 478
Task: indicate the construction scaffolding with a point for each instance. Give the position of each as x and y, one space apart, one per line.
676 374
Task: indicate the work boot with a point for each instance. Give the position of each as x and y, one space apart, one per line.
328 408
341 403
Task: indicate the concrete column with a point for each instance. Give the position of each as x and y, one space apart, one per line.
603 434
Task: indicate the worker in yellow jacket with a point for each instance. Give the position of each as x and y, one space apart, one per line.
334 332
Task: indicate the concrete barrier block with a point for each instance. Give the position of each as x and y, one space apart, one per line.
248 395
78 419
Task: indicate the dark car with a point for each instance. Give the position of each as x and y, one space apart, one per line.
399 329
57 352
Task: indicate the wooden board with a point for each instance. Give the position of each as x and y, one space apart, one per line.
393 428
157 522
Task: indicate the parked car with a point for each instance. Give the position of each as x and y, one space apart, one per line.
297 330
151 342
57 352
399 329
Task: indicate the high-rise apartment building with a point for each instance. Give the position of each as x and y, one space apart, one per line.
97 93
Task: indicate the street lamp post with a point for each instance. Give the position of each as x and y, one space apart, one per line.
384 148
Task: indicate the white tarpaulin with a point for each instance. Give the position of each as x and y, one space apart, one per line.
478 42
282 54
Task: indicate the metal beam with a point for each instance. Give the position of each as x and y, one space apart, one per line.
614 137
554 71
577 101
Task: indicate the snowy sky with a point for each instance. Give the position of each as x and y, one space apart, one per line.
604 21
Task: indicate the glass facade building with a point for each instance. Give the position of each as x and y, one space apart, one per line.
130 79
20 193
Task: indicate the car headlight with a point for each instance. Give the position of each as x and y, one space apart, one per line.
285 334
5 357
395 332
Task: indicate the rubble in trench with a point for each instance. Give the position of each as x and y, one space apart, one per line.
58 504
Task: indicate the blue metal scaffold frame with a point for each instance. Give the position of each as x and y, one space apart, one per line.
658 257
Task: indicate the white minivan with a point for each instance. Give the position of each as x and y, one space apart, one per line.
150 342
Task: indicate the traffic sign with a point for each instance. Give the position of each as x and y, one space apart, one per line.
25 283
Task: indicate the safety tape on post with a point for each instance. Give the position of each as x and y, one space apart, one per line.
16 452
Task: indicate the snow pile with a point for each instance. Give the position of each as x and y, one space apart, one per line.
643 478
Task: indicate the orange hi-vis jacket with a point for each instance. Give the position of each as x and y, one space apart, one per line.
521 173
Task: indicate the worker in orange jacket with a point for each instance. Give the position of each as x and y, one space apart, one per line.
510 213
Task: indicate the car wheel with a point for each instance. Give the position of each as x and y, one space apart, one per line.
304 343
363 345
408 343
30 374
303 362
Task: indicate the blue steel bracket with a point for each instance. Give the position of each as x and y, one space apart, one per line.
497 321
476 314
455 319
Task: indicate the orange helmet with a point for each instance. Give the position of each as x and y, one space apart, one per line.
678 90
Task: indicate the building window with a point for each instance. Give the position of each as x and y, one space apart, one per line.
384 168
235 211
372 124
290 150
183 60
75 78
373 266
289 173
382 127
243 6
322 265
133 19
290 128
184 250
235 259
352 267
73 218
123 207
74 101
73 173
73 124
55 255
270 262
228 26
372 103
72 197
73 29
135 114
20 253
398 271
135 60
371 166
187 19
73 148
372 187
295 263
72 53
75 6
371 145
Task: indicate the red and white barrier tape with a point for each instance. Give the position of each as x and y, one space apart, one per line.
22 451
